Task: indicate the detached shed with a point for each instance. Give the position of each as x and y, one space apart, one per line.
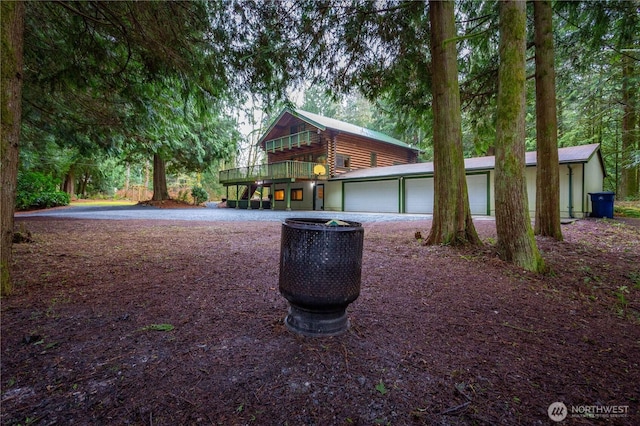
408 188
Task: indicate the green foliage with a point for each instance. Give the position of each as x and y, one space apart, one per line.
95 86
104 85
381 388
388 58
318 99
199 195
621 295
622 303
210 181
627 211
183 195
635 279
102 175
38 191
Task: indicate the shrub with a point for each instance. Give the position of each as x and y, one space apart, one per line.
38 191
627 211
183 195
199 195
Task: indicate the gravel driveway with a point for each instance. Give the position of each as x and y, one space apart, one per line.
211 213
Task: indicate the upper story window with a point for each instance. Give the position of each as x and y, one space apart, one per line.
297 128
374 159
343 161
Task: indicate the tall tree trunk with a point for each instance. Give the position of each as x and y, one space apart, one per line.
560 117
452 222
516 242
12 35
630 139
160 191
146 179
127 180
548 168
69 185
629 175
83 184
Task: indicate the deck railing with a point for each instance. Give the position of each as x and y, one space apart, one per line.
274 171
288 142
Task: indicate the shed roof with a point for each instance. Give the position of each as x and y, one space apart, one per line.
568 155
324 123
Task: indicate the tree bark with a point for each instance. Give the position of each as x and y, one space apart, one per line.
160 191
146 178
452 223
629 187
12 34
516 242
69 185
127 179
82 191
548 168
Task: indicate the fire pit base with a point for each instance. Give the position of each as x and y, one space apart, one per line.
317 323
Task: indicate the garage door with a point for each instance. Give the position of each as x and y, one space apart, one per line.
379 196
477 187
418 195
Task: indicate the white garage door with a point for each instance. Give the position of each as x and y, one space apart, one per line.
477 187
379 196
418 195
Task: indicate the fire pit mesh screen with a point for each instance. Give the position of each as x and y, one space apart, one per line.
320 263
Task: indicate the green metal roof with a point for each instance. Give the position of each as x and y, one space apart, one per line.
324 123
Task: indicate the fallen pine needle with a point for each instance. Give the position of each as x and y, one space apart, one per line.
506 324
456 408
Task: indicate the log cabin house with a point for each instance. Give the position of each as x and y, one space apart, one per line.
304 150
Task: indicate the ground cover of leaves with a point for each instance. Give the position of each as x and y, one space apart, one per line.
167 323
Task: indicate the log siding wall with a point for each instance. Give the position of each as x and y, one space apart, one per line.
359 151
327 145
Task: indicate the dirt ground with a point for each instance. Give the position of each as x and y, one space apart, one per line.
170 204
178 323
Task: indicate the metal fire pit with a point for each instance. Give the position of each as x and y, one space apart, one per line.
320 270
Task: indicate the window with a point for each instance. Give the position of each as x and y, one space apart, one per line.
297 128
374 159
278 195
343 161
296 195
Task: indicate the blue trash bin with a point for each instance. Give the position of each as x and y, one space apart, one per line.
602 204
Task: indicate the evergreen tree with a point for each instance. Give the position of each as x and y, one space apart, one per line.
11 36
452 223
516 242
547 221
92 70
598 84
385 51
318 99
